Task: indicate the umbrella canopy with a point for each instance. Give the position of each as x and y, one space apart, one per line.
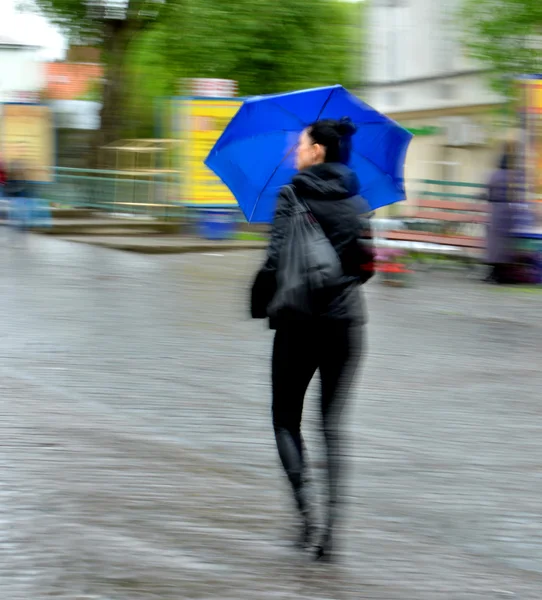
255 155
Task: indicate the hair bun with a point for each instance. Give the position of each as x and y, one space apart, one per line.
345 127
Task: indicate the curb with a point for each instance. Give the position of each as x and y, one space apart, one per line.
181 248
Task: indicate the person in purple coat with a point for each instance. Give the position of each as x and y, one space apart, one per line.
502 191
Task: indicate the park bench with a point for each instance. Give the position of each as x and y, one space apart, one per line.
444 223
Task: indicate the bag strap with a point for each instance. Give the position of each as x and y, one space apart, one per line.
299 206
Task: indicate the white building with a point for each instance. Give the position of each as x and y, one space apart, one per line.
419 74
22 73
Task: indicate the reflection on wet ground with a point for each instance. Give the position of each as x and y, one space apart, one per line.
138 460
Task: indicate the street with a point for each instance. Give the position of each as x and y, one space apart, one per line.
138 459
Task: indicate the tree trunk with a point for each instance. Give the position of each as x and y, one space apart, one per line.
118 34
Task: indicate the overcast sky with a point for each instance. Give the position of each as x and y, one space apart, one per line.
30 28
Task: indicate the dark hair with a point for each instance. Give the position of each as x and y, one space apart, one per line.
335 137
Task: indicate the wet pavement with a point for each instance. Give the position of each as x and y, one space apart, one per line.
137 458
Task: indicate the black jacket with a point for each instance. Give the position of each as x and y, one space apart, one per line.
331 192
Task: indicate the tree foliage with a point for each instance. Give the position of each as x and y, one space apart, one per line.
115 26
150 46
505 35
267 46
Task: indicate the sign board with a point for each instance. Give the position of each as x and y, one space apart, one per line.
31 97
26 137
533 96
209 88
203 121
531 115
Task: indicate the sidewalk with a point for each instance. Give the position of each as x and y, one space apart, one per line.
138 458
162 244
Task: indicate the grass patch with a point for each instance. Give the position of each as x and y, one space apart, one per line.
250 236
522 289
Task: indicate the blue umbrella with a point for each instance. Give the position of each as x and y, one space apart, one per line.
254 156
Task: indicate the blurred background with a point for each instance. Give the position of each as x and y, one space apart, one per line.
108 71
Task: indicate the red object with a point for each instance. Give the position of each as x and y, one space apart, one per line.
393 268
70 81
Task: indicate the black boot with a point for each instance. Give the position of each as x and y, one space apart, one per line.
491 275
307 528
324 548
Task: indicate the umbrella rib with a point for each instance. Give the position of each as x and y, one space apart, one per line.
270 178
289 151
326 103
297 117
377 166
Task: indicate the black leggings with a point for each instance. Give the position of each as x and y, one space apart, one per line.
301 347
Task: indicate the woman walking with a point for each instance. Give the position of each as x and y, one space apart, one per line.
329 337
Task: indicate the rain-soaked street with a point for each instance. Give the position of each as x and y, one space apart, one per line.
137 457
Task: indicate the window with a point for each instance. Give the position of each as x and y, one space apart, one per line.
390 3
446 42
446 91
393 97
391 51
395 44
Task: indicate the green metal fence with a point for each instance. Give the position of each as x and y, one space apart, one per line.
449 190
159 195
115 191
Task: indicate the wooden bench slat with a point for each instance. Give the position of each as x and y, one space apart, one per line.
462 241
478 207
453 217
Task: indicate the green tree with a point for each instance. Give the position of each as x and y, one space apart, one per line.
505 35
115 26
149 46
266 45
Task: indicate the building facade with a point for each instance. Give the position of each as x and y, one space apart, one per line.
418 73
22 74
73 92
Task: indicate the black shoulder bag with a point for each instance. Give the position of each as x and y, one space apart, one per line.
308 263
